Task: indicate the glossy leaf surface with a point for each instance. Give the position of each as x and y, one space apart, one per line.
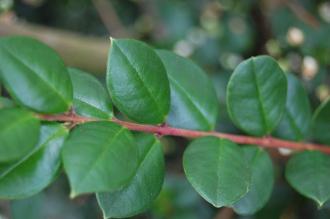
262 180
34 75
36 170
308 172
216 168
137 81
256 95
99 157
145 185
90 98
194 104
19 132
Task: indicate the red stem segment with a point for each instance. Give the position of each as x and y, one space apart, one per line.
267 142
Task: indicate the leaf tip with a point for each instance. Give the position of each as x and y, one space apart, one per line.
73 194
111 40
319 203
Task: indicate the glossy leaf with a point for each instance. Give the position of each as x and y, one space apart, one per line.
321 123
99 157
144 187
296 119
34 75
256 95
137 81
36 170
217 170
5 102
194 103
19 132
89 96
308 173
262 180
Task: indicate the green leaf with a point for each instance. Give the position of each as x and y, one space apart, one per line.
256 95
145 185
19 132
6 103
36 170
99 157
194 103
34 75
296 120
262 180
217 170
137 81
308 173
321 123
89 96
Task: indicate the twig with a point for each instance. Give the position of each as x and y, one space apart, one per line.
302 13
110 19
266 142
224 213
88 53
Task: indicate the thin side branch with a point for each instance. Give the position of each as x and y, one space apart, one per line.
110 19
266 142
302 13
86 52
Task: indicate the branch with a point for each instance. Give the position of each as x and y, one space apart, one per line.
110 19
86 52
302 13
266 142
225 213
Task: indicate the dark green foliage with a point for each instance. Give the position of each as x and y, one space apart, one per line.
125 170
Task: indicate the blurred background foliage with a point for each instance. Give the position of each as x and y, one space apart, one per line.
216 34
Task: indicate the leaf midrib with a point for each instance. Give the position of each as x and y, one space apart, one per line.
189 98
140 164
219 145
140 80
105 148
259 97
36 150
105 113
15 123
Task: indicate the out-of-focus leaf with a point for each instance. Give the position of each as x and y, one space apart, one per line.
6 102
178 200
29 208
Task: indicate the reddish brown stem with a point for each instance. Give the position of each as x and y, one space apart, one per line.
267 142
